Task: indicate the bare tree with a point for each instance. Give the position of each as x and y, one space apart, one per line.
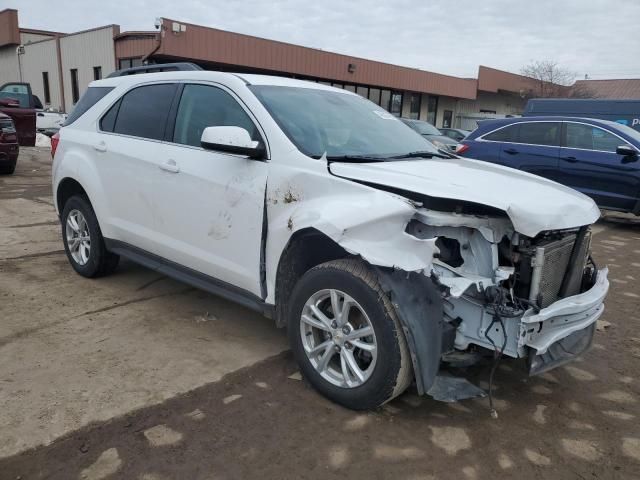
554 81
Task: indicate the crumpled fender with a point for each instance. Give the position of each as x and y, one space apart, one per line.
364 221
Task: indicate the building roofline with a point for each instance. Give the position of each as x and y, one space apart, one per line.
607 79
102 27
136 33
331 52
40 32
275 55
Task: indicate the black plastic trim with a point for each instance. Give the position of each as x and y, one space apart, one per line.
190 276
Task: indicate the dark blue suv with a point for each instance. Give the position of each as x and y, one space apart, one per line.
597 157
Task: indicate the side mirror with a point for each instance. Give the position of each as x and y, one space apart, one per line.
231 140
9 103
627 151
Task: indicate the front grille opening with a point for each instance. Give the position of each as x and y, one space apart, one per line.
544 266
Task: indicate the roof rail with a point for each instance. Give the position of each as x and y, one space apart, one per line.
156 67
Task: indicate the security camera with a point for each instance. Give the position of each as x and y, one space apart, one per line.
158 23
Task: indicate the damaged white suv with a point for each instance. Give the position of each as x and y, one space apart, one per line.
385 259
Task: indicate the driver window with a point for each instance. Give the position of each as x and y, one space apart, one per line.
588 137
203 106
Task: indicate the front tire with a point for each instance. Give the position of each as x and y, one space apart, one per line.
346 337
83 241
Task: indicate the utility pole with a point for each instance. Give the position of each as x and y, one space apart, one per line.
20 52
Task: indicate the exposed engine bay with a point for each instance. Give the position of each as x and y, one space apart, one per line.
491 276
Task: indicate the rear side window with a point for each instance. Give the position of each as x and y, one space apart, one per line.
588 137
108 120
540 133
506 134
92 96
203 106
142 112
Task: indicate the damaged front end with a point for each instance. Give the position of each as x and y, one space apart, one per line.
490 290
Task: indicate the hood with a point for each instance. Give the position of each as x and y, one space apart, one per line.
534 204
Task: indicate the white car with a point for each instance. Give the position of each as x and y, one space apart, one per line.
48 120
314 206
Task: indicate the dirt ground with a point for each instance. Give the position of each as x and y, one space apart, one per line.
139 377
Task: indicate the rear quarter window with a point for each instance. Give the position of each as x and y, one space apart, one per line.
92 96
505 134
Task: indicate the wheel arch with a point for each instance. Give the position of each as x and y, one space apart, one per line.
67 188
305 249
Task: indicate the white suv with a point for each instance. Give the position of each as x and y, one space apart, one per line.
386 260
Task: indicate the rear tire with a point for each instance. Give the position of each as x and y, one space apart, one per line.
325 345
83 241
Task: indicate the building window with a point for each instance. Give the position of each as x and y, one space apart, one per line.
447 119
487 111
374 95
130 62
75 91
385 98
97 73
337 85
351 88
414 106
432 109
363 91
45 86
396 104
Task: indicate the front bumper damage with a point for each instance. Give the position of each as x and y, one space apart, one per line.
558 333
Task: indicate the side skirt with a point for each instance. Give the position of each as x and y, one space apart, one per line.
190 276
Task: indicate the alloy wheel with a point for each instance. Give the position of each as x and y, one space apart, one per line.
338 338
78 237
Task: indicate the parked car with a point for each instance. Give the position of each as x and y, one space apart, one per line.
457 134
17 101
597 157
626 112
48 121
385 260
8 145
432 134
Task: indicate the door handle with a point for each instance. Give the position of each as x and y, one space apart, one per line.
41 114
100 147
570 159
170 166
511 151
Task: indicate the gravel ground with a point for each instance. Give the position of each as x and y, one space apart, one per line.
140 377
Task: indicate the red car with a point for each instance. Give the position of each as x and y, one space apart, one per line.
8 145
18 102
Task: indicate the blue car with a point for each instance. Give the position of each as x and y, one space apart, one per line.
597 157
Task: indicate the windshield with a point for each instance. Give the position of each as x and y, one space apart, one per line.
423 128
340 124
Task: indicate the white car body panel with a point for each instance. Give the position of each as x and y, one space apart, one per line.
49 121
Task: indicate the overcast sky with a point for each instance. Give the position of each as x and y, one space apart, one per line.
600 38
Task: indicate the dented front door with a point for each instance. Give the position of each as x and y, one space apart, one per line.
210 203
209 213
